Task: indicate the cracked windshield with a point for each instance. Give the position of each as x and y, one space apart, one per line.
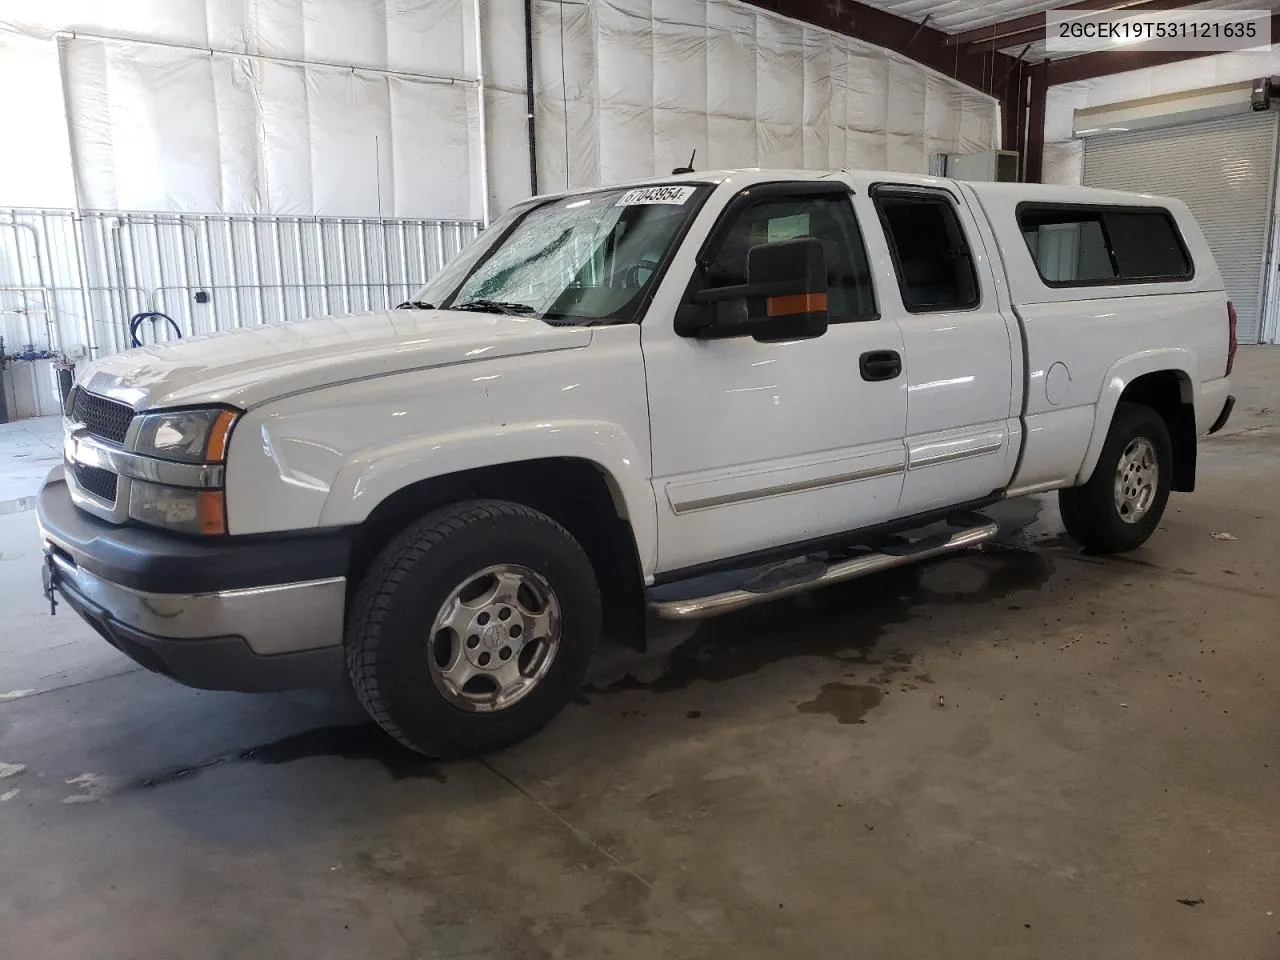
580 259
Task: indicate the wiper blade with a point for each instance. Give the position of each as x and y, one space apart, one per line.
415 305
495 306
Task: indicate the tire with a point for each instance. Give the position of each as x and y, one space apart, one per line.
463 566
1122 503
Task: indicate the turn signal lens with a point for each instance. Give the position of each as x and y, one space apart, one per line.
219 434
213 512
798 303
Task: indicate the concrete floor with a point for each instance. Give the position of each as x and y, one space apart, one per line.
1022 752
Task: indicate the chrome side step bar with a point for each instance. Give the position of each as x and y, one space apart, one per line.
695 608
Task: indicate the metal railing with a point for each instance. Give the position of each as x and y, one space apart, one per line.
70 284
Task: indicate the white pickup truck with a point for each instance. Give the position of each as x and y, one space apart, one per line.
680 397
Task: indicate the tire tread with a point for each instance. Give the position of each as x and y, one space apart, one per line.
1088 511
387 574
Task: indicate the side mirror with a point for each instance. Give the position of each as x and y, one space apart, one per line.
785 296
788 282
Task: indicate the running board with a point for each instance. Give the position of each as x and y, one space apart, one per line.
806 573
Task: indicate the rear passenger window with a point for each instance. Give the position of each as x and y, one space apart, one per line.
930 253
1090 245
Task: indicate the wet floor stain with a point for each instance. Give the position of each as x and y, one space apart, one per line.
1019 519
360 741
1139 562
842 622
847 702
889 672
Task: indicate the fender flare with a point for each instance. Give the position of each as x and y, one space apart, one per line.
371 475
1122 373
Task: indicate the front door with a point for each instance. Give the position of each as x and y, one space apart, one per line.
759 445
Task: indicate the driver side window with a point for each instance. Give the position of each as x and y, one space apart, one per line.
829 219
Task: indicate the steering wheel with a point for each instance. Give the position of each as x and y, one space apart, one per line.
629 275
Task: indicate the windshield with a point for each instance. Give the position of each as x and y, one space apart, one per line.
589 258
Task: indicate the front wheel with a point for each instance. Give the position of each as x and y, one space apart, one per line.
1121 505
473 628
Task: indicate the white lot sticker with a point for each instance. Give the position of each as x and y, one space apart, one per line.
675 195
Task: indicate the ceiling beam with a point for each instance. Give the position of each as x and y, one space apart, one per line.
1088 66
920 42
1019 39
1033 160
1013 114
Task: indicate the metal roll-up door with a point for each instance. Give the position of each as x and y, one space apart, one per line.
1224 171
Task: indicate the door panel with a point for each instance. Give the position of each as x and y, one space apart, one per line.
961 440
757 445
962 436
761 444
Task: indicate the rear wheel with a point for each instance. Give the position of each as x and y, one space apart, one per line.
473 628
1121 505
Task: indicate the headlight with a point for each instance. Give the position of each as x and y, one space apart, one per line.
178 508
189 436
185 436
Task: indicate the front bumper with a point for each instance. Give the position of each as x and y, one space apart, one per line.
252 614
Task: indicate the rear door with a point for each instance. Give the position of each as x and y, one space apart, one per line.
963 433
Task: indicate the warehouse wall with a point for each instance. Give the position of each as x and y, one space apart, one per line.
624 89
630 88
1063 156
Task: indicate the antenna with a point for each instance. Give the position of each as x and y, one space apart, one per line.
688 169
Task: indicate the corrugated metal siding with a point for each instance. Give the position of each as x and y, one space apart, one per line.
249 270
1224 170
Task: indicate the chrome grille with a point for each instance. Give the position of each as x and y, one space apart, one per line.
101 483
106 419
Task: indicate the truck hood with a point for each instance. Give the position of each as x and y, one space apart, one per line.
247 367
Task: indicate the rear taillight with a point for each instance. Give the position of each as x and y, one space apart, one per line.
1232 343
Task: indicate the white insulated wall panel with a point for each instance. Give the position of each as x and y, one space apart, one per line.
647 83
623 89
171 129
35 163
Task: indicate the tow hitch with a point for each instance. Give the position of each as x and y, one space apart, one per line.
49 577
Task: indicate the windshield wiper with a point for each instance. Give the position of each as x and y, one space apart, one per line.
495 306
415 305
